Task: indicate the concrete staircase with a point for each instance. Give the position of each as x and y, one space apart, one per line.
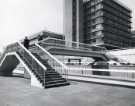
52 78
40 70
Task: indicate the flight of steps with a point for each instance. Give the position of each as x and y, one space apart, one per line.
36 72
52 78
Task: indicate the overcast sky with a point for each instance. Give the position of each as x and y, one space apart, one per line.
19 18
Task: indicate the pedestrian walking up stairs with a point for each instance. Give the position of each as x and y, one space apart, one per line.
43 72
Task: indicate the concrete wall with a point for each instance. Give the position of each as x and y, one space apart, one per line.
80 35
68 20
127 55
11 60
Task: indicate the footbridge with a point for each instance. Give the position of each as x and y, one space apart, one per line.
46 70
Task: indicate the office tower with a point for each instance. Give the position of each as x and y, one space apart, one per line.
107 23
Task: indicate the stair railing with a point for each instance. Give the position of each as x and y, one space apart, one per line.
2 56
32 62
54 62
115 74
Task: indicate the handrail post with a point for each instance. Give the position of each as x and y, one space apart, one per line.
44 78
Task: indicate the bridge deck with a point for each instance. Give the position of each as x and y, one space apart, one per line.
17 92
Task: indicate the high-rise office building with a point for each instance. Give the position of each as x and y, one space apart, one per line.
73 20
105 22
133 38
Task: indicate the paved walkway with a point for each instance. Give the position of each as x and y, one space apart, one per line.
18 92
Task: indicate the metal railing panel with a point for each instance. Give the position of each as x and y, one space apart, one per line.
32 62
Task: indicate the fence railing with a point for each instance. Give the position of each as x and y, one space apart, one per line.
74 45
117 74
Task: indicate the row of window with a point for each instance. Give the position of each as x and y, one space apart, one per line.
100 13
108 28
116 6
97 41
94 6
97 31
116 41
116 31
116 19
92 3
115 24
95 34
114 36
117 13
95 15
94 21
98 34
111 39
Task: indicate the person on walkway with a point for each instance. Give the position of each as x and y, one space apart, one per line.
26 42
40 37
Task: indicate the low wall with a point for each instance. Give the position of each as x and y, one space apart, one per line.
122 67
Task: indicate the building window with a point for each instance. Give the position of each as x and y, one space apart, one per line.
99 34
99 26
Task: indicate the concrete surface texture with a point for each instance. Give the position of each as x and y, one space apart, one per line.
18 92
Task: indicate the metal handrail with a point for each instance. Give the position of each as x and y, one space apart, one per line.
33 63
54 62
32 56
86 71
51 55
78 44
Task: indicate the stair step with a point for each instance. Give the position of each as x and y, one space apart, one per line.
56 85
55 81
50 70
51 73
51 77
52 81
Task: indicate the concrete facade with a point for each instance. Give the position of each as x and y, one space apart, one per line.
73 20
9 63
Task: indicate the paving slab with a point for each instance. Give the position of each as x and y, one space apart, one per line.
15 91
